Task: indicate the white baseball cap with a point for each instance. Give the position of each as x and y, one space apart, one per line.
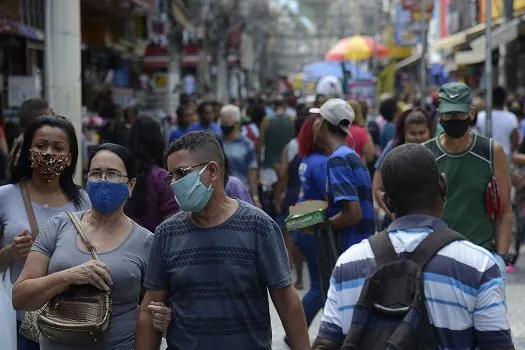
338 113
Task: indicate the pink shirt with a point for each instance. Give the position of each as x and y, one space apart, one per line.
357 139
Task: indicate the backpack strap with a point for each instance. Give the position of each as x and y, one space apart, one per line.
432 244
484 149
382 248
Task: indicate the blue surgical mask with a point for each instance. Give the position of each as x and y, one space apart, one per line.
106 197
190 192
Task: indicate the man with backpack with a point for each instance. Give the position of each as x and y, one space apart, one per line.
419 285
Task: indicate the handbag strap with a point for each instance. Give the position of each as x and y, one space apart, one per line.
29 210
82 234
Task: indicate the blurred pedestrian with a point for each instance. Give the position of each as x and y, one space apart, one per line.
152 201
359 139
206 119
240 151
413 126
27 114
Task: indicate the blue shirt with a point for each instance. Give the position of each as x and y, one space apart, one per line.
177 133
241 157
381 159
214 127
464 289
217 279
312 173
388 133
349 180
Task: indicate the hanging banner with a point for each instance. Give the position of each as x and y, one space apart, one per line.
406 33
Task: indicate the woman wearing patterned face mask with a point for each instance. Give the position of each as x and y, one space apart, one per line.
60 258
43 175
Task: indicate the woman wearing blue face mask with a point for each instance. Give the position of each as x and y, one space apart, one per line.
60 258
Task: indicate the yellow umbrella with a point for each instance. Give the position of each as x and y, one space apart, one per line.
356 48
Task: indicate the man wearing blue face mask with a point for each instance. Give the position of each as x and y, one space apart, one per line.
215 261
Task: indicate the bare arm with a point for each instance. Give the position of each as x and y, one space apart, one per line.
348 217
518 159
148 338
504 220
34 289
280 186
378 190
291 313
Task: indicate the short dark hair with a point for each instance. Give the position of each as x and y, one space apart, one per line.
499 95
411 178
336 130
30 110
201 144
23 170
280 103
388 108
203 105
122 152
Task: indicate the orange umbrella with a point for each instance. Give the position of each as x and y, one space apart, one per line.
356 48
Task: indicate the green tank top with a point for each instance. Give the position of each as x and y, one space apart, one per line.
468 175
280 131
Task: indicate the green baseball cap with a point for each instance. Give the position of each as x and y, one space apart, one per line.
455 97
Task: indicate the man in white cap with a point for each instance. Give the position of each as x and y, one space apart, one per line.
349 188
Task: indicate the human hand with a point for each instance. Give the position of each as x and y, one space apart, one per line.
21 245
92 272
161 316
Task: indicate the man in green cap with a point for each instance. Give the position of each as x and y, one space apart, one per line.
478 198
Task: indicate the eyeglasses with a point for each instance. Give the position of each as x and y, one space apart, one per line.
113 176
178 173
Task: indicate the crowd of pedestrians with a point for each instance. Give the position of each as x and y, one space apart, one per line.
186 216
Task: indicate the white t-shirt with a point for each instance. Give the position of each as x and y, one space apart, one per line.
503 124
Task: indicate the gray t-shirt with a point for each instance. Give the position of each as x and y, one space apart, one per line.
13 212
218 278
127 265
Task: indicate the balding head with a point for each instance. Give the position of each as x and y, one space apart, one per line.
230 114
412 181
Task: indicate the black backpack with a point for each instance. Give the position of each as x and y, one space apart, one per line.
391 313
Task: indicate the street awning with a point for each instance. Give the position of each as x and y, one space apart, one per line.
459 38
502 35
469 57
408 61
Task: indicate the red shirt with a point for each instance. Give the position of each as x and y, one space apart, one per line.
357 139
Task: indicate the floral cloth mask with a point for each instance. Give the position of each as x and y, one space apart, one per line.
48 165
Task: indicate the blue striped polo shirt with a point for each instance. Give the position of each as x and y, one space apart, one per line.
349 180
463 288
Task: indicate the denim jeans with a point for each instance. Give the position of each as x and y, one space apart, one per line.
23 343
313 299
